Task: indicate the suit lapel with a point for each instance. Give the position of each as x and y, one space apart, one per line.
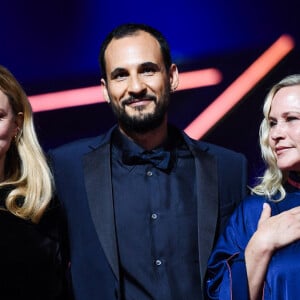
207 205
98 185
99 192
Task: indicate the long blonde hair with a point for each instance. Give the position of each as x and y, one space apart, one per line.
26 167
271 183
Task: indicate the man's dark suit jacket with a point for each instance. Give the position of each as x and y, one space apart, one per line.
82 172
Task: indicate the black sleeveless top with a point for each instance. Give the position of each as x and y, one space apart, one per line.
33 258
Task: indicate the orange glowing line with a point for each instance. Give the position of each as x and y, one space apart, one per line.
64 99
235 92
200 78
91 95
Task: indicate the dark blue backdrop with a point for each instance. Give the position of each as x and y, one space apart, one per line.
53 45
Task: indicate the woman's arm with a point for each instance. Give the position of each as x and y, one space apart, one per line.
272 233
257 257
226 276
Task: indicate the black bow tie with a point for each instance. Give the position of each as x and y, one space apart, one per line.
160 159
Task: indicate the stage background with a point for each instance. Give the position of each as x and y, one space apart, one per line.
53 46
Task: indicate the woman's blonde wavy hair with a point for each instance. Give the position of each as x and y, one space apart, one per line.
271 183
26 167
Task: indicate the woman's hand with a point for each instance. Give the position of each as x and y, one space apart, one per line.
277 231
273 232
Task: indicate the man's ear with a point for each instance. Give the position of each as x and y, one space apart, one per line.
104 91
174 77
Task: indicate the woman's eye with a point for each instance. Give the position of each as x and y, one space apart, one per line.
291 118
272 123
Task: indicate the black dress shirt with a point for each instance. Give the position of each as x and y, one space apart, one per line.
156 223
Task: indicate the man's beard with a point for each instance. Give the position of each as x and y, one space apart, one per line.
145 122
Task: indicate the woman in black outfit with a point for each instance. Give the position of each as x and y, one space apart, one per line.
33 258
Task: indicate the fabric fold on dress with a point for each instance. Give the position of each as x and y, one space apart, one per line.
226 275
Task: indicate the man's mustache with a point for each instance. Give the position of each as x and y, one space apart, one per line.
133 99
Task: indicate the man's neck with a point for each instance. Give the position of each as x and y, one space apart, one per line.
150 139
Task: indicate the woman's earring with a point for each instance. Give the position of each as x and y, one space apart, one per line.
17 136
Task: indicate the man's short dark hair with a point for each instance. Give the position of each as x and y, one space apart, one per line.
130 29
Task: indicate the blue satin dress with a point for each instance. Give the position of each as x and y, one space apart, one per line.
226 276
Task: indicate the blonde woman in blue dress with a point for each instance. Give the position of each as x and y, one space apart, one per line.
257 257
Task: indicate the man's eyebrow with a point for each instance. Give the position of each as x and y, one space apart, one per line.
149 64
117 71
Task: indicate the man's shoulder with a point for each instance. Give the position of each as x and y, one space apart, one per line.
79 142
73 145
219 152
214 149
217 149
84 144
79 146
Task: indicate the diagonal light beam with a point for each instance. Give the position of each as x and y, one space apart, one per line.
92 95
240 87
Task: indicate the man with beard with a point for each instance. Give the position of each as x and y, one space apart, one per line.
144 202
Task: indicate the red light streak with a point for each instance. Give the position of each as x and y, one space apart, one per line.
92 95
239 88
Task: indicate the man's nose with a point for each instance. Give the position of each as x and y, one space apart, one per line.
136 85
